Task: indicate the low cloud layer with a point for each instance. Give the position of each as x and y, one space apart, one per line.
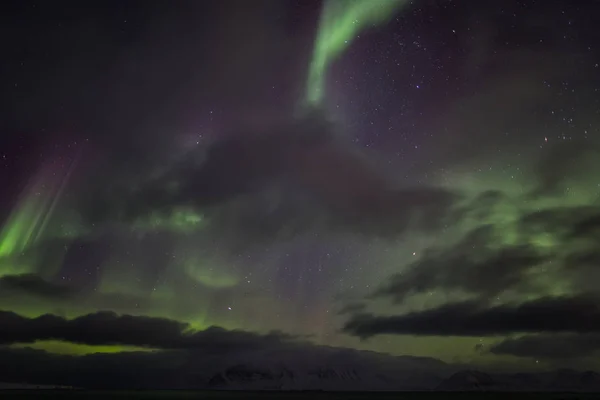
34 285
107 328
558 347
174 356
472 318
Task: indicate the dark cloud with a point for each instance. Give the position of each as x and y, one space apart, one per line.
575 235
474 318
353 308
481 207
582 267
584 259
246 160
565 222
178 358
472 266
588 227
36 286
31 290
564 161
108 328
544 346
291 175
480 265
94 329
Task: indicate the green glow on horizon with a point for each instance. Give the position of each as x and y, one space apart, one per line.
341 22
76 349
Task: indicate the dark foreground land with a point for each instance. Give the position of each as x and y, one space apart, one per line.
182 394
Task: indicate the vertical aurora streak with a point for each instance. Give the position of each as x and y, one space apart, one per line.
341 22
28 222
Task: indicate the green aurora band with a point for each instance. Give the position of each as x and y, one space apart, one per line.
341 22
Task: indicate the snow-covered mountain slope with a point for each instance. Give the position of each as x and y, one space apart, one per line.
557 381
325 369
471 380
338 369
281 367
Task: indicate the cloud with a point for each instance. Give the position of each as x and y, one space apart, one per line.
107 328
551 347
481 207
521 253
33 291
34 285
293 175
471 265
179 358
103 328
353 308
564 161
579 314
566 222
588 226
539 258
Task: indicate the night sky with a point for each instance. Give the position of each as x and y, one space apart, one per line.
162 172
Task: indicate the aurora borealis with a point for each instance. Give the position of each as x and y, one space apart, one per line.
340 23
437 194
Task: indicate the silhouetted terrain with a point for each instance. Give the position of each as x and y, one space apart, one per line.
42 394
